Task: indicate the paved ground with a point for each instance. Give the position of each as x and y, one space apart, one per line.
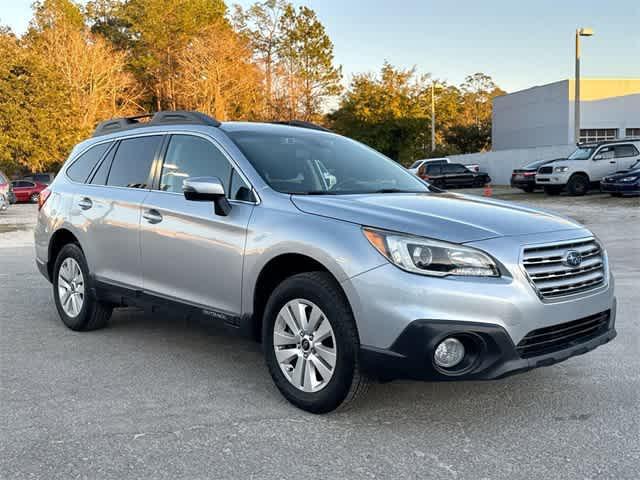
157 397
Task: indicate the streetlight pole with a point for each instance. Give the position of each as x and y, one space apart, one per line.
433 116
580 32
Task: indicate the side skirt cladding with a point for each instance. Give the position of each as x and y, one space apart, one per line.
122 296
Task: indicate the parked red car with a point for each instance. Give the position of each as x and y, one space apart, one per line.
27 191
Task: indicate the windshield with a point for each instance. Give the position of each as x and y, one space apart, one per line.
635 165
582 153
299 161
416 164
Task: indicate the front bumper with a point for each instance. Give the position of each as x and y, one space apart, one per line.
543 179
526 182
624 188
410 357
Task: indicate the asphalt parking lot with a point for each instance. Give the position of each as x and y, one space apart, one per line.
158 397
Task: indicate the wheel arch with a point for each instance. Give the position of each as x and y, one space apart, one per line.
58 240
274 272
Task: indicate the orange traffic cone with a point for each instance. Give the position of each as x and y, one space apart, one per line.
488 191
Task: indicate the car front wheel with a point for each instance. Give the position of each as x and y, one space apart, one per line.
311 343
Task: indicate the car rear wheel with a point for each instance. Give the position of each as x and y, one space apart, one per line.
311 343
578 184
529 189
77 306
34 198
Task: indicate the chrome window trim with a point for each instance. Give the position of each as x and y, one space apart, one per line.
571 296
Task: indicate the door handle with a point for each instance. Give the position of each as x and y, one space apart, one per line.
152 216
85 203
612 161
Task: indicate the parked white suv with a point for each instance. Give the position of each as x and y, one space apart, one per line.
587 165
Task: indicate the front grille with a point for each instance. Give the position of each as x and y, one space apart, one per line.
565 335
553 277
545 170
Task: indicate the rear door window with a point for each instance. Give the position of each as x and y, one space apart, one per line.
434 169
131 165
82 167
625 151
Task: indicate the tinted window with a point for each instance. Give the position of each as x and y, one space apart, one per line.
81 168
625 151
43 178
132 163
100 177
286 158
460 169
434 169
189 156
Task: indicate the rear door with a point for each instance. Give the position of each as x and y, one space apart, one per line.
110 203
189 253
626 155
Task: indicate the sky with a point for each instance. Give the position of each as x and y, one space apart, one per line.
519 43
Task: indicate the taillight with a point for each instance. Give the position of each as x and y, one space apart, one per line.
42 197
529 174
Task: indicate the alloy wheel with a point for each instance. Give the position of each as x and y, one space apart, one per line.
305 345
71 287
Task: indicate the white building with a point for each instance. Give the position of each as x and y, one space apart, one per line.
543 116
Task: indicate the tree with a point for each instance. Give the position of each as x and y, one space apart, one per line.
105 18
157 31
60 80
391 112
217 76
472 133
261 24
306 54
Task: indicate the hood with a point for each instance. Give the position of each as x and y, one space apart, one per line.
624 173
444 216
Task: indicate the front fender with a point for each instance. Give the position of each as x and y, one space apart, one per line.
339 246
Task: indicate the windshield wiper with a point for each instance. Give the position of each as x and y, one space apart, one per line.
395 190
313 192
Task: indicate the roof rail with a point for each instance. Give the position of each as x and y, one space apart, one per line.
613 140
177 117
302 124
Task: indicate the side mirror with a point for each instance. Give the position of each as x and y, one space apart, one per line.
207 189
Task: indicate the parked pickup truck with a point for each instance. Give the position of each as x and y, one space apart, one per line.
588 165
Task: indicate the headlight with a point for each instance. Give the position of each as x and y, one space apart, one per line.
560 169
431 257
629 179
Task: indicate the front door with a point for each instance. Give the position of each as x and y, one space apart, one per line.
604 163
189 253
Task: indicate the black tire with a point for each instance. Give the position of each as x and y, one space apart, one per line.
578 184
93 314
616 194
529 189
34 198
552 190
347 382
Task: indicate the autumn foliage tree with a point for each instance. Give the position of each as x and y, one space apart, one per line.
217 75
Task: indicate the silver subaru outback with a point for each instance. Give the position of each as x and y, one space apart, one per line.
344 265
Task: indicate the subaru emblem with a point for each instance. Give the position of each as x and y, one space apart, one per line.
572 258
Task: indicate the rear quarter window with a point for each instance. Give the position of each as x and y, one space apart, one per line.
81 168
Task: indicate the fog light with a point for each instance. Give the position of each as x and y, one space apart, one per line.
449 353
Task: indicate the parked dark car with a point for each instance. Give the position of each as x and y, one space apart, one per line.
525 177
27 191
45 178
453 175
625 182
